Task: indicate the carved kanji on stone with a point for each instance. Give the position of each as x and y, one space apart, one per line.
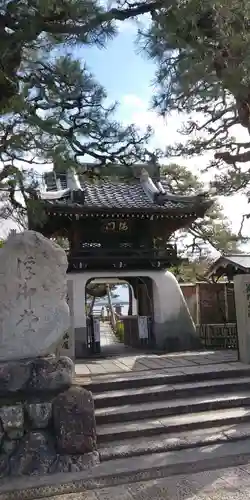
34 315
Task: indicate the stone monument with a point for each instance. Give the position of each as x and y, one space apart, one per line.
47 424
34 313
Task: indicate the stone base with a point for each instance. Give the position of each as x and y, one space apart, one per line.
46 424
171 337
35 376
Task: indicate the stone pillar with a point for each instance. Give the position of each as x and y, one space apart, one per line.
242 305
47 425
67 347
80 317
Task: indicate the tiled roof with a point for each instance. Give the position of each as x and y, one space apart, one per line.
108 194
241 261
111 194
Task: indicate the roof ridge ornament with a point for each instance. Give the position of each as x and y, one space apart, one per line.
148 185
76 192
73 190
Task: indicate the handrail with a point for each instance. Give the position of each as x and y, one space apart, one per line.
124 252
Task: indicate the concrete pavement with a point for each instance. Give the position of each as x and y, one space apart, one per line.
131 363
223 484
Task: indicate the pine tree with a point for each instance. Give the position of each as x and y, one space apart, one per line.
54 111
202 49
204 236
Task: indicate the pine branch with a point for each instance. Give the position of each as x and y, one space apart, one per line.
233 159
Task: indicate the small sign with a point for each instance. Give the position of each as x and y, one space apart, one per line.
143 327
96 326
116 226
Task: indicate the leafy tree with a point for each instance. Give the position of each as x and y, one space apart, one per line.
191 271
34 28
64 121
206 235
203 56
29 30
52 109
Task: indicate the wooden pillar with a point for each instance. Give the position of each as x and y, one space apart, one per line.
226 301
198 306
143 305
130 300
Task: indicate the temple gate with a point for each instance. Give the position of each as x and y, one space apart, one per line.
118 222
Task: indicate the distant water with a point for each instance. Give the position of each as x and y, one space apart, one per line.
101 303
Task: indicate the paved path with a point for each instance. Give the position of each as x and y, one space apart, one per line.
110 344
107 336
129 363
224 484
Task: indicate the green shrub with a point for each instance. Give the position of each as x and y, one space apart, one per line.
119 330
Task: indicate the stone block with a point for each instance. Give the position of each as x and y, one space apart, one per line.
9 445
39 414
34 455
39 375
1 432
4 465
14 376
74 421
49 374
12 418
76 463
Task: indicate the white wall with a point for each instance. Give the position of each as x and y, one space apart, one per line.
172 318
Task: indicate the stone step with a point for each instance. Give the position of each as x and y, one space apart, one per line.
157 409
109 382
164 392
173 441
180 462
130 470
173 423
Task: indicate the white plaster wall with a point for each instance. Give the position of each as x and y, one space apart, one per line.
192 304
171 314
134 303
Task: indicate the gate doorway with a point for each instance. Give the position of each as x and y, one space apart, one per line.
119 315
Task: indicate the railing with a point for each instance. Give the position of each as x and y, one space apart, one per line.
219 336
121 257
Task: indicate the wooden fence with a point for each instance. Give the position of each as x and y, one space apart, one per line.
212 307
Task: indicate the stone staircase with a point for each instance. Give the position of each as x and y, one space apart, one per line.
140 415
157 424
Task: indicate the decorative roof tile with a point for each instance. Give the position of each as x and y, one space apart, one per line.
128 195
123 195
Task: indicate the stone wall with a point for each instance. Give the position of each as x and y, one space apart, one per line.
47 425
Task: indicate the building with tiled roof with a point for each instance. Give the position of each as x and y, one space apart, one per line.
229 265
122 218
